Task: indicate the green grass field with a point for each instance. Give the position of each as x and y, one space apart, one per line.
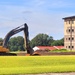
36 64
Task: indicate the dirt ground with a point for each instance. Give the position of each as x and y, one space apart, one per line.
44 53
72 73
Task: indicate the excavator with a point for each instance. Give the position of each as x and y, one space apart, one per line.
24 27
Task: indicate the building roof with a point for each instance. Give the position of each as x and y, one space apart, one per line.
71 17
59 47
47 47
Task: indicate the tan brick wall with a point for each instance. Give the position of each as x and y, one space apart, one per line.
67 33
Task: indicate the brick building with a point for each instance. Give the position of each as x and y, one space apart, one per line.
69 32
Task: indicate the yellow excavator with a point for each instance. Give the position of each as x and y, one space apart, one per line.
5 51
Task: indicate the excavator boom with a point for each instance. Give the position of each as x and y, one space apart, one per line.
26 35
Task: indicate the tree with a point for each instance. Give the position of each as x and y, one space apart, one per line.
41 40
51 40
58 42
16 43
1 41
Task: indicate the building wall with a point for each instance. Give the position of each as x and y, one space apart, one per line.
69 34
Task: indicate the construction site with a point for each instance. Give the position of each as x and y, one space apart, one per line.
4 51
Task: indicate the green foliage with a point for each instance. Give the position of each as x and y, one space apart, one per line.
51 40
36 64
58 42
16 43
45 40
41 40
1 41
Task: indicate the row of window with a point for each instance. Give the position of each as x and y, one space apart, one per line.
70 38
71 30
70 22
69 47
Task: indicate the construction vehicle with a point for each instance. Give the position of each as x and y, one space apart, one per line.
24 27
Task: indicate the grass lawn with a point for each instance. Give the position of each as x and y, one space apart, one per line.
36 64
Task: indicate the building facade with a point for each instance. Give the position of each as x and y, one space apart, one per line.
69 33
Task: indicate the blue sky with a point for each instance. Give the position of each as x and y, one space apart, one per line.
42 16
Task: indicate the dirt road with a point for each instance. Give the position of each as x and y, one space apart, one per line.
73 73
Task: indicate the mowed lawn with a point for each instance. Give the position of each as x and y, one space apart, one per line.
36 64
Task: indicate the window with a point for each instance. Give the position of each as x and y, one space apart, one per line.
72 38
66 38
69 30
69 21
69 38
72 30
72 46
68 46
72 21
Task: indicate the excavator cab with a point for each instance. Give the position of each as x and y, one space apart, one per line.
24 27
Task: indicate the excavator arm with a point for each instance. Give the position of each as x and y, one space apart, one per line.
26 34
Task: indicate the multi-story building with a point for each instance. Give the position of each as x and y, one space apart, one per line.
69 33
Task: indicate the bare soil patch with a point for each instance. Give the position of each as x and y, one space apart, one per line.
42 53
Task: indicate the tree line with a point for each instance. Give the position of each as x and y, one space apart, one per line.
17 43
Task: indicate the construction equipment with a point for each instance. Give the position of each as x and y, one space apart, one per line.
24 28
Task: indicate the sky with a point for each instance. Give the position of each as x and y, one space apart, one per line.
42 16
